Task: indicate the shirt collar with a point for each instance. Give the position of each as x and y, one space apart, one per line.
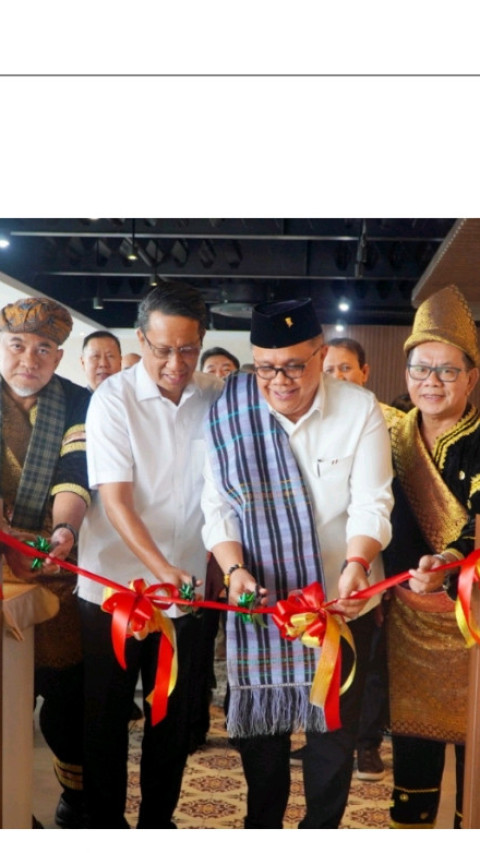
147 389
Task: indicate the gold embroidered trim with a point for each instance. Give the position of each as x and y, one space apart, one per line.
416 790
72 447
74 433
440 515
69 775
474 485
465 426
71 487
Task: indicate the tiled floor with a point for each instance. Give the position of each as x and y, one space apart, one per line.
47 789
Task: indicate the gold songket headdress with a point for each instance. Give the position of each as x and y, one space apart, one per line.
446 317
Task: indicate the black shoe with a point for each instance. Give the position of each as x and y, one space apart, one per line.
68 816
136 712
36 823
297 755
370 767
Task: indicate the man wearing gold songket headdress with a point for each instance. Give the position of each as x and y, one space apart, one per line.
436 452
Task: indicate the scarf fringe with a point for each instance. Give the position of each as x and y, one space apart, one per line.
272 710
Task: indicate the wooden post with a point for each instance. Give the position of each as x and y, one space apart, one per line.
471 798
1 677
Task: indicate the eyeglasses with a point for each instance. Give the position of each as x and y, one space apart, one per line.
165 353
420 372
294 371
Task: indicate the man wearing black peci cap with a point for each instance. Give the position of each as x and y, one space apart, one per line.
297 490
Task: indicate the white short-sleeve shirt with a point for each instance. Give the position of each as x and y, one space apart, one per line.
136 435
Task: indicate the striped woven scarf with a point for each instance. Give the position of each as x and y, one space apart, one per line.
42 457
257 474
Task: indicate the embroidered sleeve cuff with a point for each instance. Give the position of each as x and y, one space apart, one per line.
71 487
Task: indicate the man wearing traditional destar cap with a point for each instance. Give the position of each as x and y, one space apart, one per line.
44 488
297 490
436 454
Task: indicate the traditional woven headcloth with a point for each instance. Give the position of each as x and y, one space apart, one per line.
42 317
445 317
283 324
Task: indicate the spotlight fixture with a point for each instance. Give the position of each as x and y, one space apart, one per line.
4 241
132 254
98 303
344 304
339 326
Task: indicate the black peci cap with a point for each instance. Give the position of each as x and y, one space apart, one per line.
283 324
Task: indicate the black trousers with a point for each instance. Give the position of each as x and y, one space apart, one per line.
374 717
328 761
109 693
61 723
418 766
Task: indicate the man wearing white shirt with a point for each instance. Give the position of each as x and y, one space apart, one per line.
298 489
145 460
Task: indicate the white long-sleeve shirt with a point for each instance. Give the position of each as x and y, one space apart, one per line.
343 450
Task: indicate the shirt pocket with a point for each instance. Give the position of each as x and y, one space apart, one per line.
334 469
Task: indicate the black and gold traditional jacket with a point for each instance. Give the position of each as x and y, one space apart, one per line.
43 453
437 494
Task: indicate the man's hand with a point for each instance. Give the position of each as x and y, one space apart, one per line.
176 577
422 580
61 542
20 565
242 581
352 579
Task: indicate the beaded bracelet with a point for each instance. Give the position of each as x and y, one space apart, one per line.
226 577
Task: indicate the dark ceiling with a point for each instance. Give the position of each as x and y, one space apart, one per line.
374 263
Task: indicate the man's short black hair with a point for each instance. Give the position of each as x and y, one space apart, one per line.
175 299
352 345
101 334
209 353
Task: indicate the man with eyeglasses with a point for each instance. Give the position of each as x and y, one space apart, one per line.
145 460
297 490
436 453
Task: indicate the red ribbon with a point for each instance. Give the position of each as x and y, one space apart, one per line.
135 612
304 615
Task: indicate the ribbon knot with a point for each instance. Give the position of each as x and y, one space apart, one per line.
136 612
303 616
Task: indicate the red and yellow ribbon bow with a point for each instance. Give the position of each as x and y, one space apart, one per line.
303 616
469 577
136 612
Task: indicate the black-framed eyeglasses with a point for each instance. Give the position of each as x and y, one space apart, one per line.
165 353
420 372
292 371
